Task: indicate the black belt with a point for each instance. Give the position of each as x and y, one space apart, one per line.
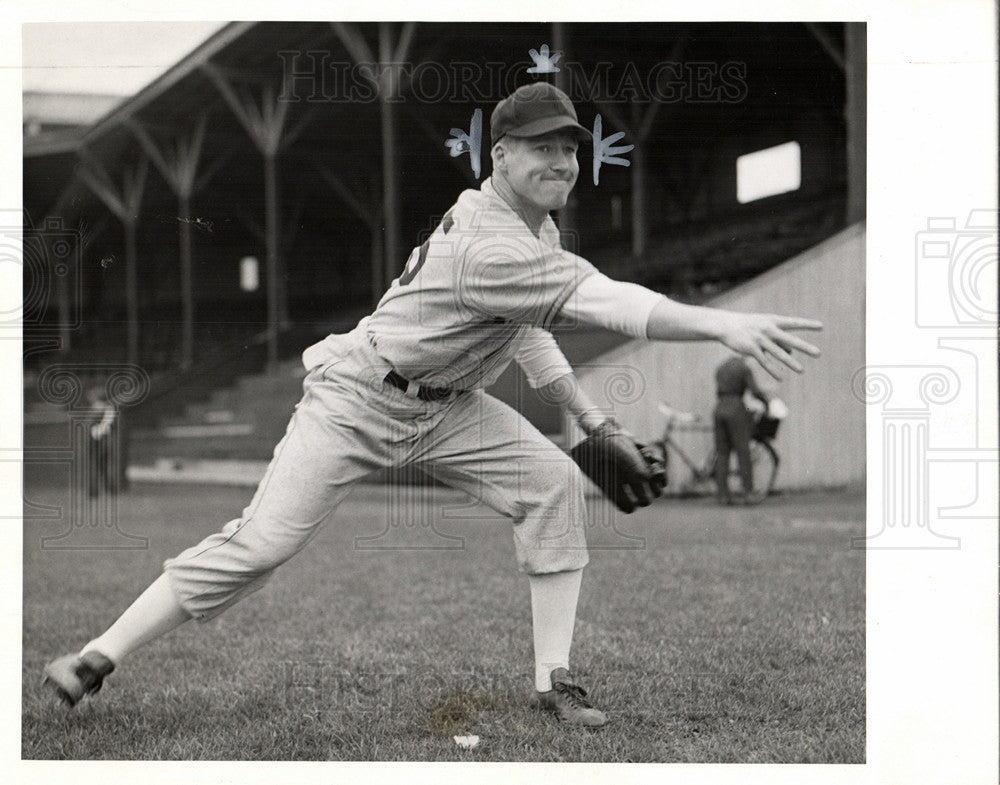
424 393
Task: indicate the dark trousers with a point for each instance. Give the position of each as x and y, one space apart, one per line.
107 459
100 474
733 426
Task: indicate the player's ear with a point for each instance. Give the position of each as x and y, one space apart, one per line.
499 156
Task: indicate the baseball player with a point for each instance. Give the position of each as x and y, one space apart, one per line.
406 386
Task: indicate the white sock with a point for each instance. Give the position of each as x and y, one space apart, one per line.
553 615
154 613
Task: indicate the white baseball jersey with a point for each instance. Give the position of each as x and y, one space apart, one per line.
470 293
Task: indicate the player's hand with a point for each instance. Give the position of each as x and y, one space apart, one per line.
765 337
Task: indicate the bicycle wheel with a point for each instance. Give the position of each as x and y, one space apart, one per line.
764 468
764 460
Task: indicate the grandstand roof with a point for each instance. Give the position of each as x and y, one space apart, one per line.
691 96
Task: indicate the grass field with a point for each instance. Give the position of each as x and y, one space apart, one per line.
724 635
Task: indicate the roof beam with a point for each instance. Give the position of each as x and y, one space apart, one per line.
356 47
171 77
125 205
346 194
179 169
825 41
265 123
124 202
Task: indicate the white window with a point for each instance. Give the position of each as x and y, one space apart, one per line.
776 170
249 274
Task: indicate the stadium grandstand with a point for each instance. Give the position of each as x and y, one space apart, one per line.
267 187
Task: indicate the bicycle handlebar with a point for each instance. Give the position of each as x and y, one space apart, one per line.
676 415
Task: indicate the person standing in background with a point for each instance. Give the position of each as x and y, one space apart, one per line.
105 453
733 425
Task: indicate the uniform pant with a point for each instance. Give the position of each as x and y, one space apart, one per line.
733 427
351 423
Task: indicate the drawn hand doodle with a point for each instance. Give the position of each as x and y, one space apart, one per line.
605 153
544 62
470 143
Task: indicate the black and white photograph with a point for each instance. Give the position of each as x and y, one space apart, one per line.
587 390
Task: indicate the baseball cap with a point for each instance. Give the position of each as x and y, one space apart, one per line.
533 110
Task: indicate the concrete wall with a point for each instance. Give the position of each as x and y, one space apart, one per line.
822 442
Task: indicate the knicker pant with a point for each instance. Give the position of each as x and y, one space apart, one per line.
349 424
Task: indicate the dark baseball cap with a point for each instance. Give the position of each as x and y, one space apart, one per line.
533 110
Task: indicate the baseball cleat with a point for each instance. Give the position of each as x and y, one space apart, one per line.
74 676
567 700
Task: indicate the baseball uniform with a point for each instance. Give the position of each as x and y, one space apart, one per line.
406 387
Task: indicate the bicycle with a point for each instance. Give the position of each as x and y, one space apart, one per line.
764 458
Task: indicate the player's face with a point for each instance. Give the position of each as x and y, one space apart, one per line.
542 170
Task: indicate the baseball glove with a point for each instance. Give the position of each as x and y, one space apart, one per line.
628 473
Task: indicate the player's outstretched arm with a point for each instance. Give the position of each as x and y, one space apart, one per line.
639 312
765 337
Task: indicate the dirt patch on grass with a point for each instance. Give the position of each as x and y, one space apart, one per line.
455 712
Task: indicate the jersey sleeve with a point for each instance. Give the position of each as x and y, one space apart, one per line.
508 278
616 305
540 358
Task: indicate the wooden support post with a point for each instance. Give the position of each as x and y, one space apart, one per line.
131 293
567 215
370 214
265 125
135 183
390 197
853 62
388 84
89 234
856 75
639 227
63 305
273 266
56 216
180 171
639 127
187 283
125 205
390 173
377 250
